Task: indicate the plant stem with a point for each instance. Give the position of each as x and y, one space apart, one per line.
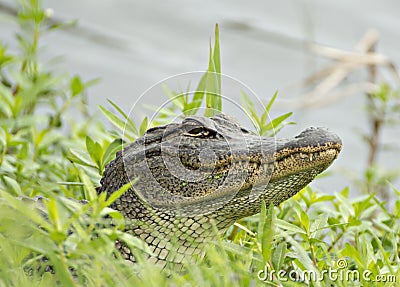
3 154
336 240
375 120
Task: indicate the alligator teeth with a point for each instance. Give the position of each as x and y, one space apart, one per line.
303 155
310 156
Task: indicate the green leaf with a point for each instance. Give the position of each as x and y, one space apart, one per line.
5 58
290 228
242 251
210 83
269 106
116 194
77 157
385 254
353 253
304 219
7 101
213 84
3 138
318 225
127 126
70 183
116 121
117 217
177 100
279 255
324 174
95 151
13 185
345 192
76 86
192 107
244 228
213 96
144 125
91 82
261 221
111 150
28 207
132 241
46 280
52 212
250 108
129 122
324 198
266 230
275 123
92 194
345 208
217 58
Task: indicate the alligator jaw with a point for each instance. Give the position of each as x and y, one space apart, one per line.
303 161
301 154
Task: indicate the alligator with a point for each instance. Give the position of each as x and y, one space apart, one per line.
191 179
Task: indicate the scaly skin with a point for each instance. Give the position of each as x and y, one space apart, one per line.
207 172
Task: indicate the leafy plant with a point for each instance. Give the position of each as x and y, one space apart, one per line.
66 241
33 145
265 128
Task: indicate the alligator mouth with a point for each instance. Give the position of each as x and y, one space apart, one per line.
292 171
292 161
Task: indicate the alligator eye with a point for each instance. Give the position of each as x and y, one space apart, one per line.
198 132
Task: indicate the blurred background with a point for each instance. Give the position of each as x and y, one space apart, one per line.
132 45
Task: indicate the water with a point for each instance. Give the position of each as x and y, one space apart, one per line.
131 45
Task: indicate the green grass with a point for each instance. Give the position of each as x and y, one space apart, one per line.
56 157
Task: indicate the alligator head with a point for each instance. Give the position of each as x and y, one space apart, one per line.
208 171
